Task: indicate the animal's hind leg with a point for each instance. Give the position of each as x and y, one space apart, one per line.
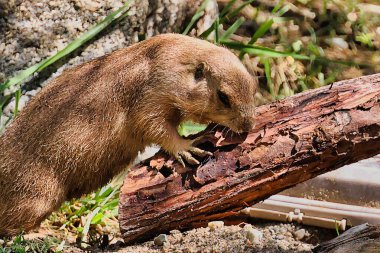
26 207
26 215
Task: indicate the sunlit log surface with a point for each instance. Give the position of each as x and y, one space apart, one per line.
294 140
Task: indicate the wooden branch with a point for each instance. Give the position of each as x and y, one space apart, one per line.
362 238
294 140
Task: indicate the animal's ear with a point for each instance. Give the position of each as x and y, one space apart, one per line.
199 72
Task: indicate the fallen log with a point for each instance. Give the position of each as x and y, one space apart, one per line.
364 238
294 140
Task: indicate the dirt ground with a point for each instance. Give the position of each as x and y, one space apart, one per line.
260 236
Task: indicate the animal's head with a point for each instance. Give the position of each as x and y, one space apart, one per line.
208 83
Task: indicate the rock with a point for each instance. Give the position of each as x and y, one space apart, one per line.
253 235
352 16
300 234
213 225
32 93
3 120
161 240
339 42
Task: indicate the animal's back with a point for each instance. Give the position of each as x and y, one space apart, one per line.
56 148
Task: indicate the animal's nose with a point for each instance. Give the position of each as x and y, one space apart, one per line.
247 124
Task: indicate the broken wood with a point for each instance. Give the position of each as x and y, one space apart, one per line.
294 140
364 238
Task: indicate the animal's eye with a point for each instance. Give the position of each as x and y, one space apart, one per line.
199 72
224 99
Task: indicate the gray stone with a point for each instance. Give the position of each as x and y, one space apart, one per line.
300 234
213 225
253 235
161 240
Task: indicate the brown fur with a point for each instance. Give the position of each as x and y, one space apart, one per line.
90 122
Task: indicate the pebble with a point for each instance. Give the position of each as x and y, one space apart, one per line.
3 120
160 240
339 42
213 225
300 234
352 16
253 235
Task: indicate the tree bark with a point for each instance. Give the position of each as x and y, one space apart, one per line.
364 238
294 140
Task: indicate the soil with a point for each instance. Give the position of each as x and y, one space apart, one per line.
276 237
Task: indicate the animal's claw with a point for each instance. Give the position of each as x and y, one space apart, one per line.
187 155
199 152
179 159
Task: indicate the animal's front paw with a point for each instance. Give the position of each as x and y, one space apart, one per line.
187 155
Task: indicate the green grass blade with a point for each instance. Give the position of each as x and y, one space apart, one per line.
85 37
97 218
194 19
265 51
3 101
232 29
86 227
198 14
277 7
17 101
68 49
262 51
111 195
227 8
216 28
209 30
282 11
264 27
225 17
268 75
235 12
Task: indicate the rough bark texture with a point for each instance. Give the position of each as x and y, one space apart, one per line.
364 238
294 140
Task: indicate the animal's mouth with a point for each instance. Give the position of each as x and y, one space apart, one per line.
242 127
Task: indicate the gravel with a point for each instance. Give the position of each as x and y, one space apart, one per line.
257 237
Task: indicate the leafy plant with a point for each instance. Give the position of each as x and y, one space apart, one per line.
20 245
82 215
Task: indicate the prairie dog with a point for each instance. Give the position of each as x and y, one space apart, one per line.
90 122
